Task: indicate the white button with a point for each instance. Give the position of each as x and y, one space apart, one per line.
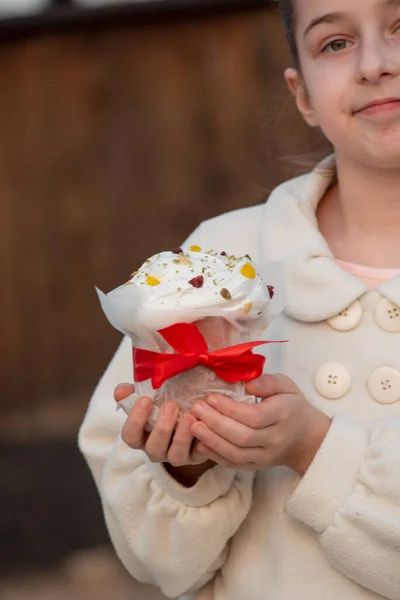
387 316
384 385
332 380
348 318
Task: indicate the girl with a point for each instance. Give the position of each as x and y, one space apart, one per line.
297 497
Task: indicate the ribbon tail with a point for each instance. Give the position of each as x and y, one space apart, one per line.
240 349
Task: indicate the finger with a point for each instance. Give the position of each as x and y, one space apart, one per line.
123 390
133 432
251 415
230 429
217 458
271 385
179 451
219 445
196 457
206 452
160 438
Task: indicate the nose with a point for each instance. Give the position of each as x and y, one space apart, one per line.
377 60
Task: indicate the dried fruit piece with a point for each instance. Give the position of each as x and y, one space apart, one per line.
247 307
177 251
248 271
226 294
185 261
152 281
195 248
224 253
271 290
197 282
247 256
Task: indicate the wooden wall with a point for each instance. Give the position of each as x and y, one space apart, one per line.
115 143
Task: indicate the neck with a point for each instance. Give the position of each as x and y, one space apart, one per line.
360 216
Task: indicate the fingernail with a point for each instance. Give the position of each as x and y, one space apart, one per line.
198 408
256 383
169 409
213 400
121 385
198 428
144 403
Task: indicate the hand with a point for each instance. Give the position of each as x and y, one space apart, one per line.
171 439
283 430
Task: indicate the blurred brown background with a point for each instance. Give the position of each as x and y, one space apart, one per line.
120 130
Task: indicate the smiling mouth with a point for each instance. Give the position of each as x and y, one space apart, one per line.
380 106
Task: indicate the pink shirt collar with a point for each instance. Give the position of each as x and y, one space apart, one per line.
368 272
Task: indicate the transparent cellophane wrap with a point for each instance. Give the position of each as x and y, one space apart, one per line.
200 382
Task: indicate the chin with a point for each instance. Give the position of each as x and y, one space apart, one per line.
373 148
379 156
384 158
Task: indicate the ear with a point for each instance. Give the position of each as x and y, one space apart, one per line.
298 88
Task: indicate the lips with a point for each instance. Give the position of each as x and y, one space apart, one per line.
376 103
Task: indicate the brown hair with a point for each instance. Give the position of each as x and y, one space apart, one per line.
304 162
288 14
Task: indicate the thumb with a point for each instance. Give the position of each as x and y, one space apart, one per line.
271 385
123 390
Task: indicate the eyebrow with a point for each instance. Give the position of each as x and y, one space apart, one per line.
332 18
329 18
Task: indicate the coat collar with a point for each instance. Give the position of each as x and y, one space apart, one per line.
316 287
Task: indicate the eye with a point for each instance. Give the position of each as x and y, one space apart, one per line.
337 46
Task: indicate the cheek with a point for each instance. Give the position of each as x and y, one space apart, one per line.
330 103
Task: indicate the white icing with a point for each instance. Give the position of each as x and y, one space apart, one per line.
139 310
218 272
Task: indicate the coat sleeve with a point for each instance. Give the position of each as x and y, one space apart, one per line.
173 537
350 497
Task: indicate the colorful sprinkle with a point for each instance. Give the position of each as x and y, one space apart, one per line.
195 248
185 261
152 281
247 307
226 294
248 271
197 282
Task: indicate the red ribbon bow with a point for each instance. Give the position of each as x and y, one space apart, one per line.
236 363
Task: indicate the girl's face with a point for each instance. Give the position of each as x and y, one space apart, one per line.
350 81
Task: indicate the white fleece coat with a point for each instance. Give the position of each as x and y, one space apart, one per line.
333 534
